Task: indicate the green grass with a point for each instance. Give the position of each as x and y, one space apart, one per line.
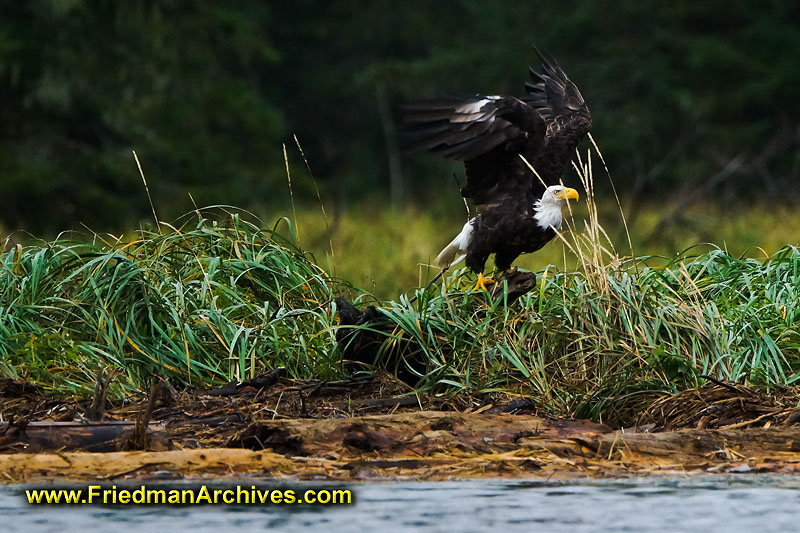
600 343
205 303
218 298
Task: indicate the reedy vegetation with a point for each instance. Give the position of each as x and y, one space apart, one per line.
200 304
212 301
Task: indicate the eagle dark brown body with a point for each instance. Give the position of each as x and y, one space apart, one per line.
507 234
497 138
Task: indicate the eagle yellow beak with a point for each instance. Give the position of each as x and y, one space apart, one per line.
569 194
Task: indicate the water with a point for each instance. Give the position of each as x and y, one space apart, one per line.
734 503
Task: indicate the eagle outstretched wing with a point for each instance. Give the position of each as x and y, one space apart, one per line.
556 98
465 128
490 133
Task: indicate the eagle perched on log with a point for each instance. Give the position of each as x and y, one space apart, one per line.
499 138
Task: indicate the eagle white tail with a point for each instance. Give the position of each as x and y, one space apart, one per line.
457 247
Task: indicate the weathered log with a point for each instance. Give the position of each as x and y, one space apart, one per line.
420 432
110 466
694 442
263 381
106 436
397 401
91 436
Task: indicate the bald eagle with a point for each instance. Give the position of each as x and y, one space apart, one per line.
497 138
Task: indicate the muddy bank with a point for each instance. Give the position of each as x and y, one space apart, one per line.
430 446
370 428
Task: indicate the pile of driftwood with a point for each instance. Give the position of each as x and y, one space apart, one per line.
32 421
431 445
377 427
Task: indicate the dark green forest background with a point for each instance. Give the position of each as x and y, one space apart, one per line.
686 96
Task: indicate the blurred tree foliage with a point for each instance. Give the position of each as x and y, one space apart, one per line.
83 82
207 91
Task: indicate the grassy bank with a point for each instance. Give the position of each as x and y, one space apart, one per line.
209 303
204 303
219 298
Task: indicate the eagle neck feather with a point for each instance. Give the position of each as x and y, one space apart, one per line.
547 214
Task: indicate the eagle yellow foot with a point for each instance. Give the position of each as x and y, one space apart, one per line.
483 281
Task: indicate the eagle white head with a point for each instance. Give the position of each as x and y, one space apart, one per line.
547 210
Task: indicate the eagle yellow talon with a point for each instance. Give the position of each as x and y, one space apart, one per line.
483 281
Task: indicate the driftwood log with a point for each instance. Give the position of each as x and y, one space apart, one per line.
89 436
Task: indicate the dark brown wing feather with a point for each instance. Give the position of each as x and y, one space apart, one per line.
465 128
486 133
557 99
489 134
553 94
